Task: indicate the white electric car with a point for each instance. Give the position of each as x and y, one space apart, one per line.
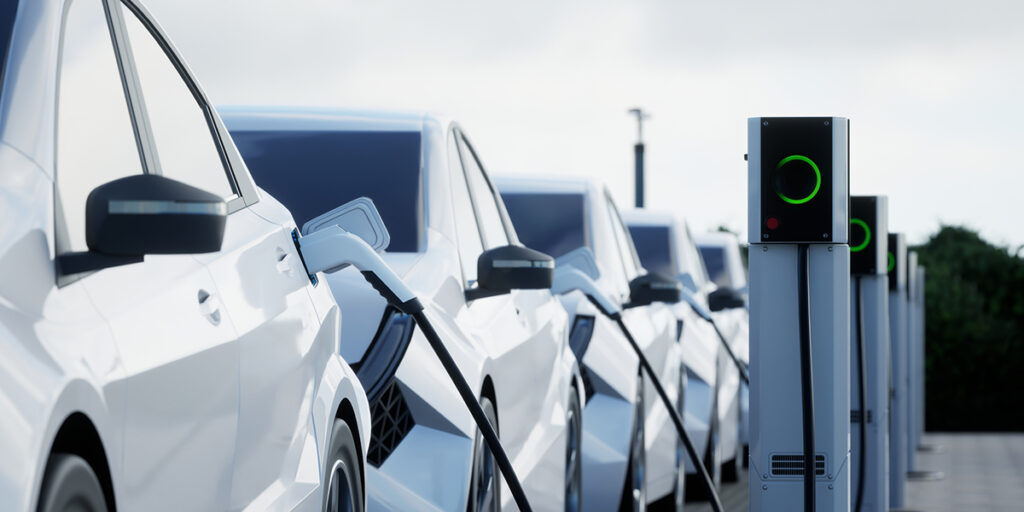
161 346
728 303
665 245
557 216
443 215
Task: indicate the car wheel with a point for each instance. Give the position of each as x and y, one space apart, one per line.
344 490
69 483
634 495
574 454
485 489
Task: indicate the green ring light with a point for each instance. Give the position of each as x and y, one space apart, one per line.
817 175
892 262
867 235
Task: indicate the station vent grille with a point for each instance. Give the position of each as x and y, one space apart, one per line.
793 464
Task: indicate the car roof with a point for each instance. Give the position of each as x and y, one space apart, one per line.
650 217
269 117
546 184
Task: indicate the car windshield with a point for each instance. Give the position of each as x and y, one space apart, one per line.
714 261
313 172
550 223
653 244
7 12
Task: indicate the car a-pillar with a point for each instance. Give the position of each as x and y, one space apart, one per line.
798 204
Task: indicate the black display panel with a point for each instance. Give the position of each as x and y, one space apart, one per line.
895 262
796 179
864 235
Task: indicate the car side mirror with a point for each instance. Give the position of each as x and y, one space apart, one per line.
653 287
511 267
130 217
725 298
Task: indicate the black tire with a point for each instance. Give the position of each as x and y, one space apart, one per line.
70 484
344 489
574 454
485 479
634 492
730 471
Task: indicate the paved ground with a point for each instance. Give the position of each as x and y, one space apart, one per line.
982 473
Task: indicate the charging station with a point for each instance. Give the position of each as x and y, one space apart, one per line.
897 266
798 207
918 344
911 372
869 354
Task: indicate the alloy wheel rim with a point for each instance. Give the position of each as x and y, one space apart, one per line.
339 497
485 481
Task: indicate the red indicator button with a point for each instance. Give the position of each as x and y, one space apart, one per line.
771 223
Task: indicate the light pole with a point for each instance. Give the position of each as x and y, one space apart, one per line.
638 154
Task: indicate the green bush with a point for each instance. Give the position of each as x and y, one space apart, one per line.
974 300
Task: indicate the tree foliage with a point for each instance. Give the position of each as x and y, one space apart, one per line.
974 315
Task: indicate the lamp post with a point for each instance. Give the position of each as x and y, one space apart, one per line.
638 154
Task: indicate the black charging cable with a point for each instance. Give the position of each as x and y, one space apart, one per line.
716 503
742 368
414 308
807 376
863 391
504 464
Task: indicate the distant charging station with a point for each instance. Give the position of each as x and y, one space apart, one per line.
911 362
918 345
869 354
898 438
798 204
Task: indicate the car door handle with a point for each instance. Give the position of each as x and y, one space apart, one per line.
209 306
284 263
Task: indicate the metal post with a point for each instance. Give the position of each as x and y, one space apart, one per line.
638 154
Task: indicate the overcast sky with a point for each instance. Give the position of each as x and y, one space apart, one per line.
933 88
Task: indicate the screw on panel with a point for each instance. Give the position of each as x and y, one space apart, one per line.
764 487
766 475
765 236
830 248
826 123
830 487
764 248
765 123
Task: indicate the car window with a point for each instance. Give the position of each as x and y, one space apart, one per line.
630 262
550 223
714 261
95 139
314 172
484 198
653 244
691 260
470 244
8 11
186 147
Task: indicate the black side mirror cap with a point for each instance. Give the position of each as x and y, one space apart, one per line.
725 298
653 287
130 217
511 267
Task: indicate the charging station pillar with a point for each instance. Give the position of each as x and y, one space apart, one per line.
898 364
869 307
798 200
919 390
911 371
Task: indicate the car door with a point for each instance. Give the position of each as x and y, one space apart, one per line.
516 329
178 360
259 280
